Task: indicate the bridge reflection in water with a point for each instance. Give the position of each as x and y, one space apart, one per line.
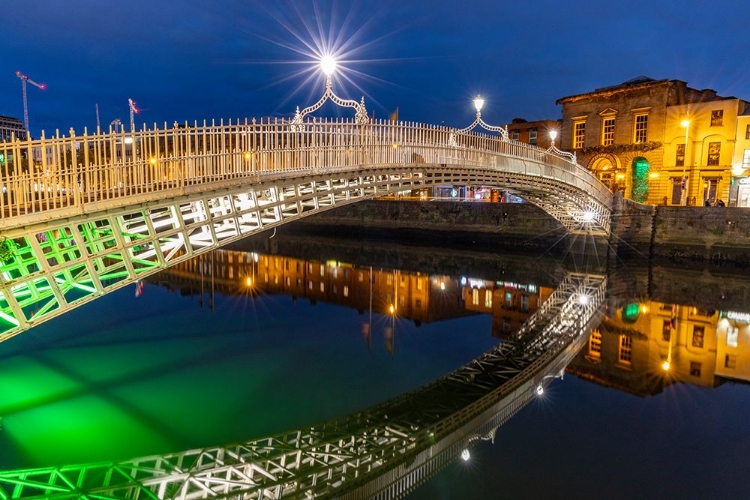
385 450
626 351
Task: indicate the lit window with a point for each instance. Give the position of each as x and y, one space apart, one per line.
641 128
717 117
666 330
488 299
508 300
579 134
608 132
732 334
475 296
626 349
346 290
595 344
420 286
680 156
714 152
389 279
698 336
360 277
322 269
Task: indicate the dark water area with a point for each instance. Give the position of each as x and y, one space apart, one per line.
279 332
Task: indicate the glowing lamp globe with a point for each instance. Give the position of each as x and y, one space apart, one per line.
478 103
328 65
553 135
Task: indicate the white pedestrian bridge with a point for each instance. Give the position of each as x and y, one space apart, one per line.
82 215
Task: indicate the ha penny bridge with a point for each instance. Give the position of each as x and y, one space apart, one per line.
82 215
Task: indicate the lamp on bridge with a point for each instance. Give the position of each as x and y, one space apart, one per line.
329 65
478 104
553 136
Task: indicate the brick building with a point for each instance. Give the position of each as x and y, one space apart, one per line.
633 137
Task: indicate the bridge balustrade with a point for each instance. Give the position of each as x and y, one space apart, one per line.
113 168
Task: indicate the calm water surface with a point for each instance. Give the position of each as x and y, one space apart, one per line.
205 357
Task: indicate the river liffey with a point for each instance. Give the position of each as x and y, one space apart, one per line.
280 334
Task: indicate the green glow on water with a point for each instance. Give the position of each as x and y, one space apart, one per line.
128 376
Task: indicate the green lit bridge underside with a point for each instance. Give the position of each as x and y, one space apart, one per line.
383 452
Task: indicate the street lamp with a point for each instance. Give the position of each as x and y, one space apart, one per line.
553 136
478 103
683 181
328 65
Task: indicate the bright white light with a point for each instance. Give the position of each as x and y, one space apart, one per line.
478 103
685 123
583 299
553 135
328 65
588 216
466 455
128 140
442 285
539 389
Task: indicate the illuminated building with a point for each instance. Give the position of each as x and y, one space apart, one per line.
633 137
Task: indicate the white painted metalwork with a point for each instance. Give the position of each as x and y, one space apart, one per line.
383 452
99 212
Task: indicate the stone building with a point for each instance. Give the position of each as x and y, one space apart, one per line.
633 137
536 133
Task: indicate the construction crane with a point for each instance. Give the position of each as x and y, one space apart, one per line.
133 110
25 79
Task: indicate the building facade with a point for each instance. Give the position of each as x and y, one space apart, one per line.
11 128
657 141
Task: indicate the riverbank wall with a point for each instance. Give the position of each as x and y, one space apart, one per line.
713 234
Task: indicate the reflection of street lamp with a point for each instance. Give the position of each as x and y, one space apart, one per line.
683 181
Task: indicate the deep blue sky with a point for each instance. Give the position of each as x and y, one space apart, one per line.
195 59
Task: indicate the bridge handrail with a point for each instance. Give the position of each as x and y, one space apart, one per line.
42 175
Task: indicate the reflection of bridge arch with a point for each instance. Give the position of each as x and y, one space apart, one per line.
139 202
382 452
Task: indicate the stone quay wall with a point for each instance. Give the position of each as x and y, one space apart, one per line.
715 234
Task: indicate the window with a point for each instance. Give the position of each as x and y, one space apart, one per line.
532 136
388 279
730 361
714 150
418 305
322 269
514 135
679 159
732 333
579 134
695 369
666 330
626 349
475 296
595 344
698 336
525 303
420 286
641 128
747 132
488 299
717 118
746 159
608 132
508 300
346 290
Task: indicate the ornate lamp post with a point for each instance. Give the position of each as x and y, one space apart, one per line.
553 148
328 66
478 103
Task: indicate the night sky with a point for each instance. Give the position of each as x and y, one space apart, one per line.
195 59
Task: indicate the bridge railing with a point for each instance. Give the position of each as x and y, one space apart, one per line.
38 176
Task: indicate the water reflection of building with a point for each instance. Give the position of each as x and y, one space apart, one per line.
646 346
410 295
509 303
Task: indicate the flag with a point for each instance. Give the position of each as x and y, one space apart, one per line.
394 115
